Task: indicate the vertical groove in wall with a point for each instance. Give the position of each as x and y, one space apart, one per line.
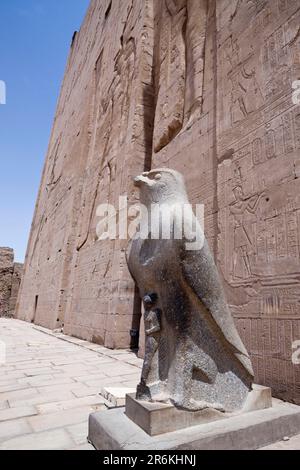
215 151
149 93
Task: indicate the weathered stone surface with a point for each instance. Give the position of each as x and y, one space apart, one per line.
257 198
10 278
260 398
15 286
203 87
240 158
6 272
159 418
71 279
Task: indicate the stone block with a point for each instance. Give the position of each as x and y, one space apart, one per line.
159 418
113 430
116 396
259 398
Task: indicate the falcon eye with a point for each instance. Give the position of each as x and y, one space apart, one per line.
158 176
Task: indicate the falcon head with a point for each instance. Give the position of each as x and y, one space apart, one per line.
160 185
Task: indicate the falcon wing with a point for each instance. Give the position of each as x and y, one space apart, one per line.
200 273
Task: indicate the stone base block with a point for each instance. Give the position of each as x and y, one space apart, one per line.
113 430
159 418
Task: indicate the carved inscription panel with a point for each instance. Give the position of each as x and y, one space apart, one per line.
258 178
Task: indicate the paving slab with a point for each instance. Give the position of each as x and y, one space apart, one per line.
84 447
15 413
59 419
58 439
79 432
4 405
42 398
37 357
94 400
289 443
13 428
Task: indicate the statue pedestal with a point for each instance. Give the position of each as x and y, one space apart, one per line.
159 418
157 426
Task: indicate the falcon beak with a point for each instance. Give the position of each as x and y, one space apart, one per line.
139 180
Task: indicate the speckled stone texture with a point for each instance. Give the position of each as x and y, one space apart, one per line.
195 359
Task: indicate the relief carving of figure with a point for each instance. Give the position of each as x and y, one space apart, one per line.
243 245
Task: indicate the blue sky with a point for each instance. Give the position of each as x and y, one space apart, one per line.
35 37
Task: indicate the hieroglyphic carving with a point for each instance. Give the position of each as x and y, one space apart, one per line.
245 93
243 243
181 67
261 236
110 131
172 56
261 248
270 144
196 27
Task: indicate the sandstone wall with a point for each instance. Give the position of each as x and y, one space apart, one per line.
239 149
204 87
6 272
15 286
101 138
10 278
258 186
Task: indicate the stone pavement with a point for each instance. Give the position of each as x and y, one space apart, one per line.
50 383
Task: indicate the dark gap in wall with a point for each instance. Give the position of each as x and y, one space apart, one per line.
108 10
136 320
215 152
73 38
36 301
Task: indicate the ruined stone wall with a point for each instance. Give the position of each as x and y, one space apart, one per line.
10 278
202 86
15 286
6 272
